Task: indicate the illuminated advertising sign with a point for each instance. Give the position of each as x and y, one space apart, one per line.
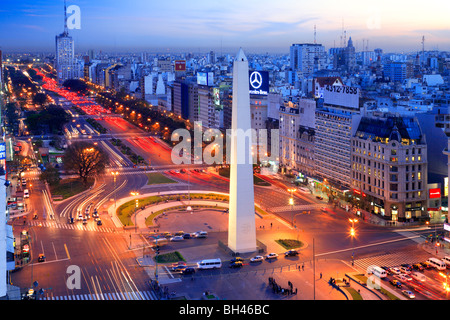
216 98
180 65
341 96
434 193
259 82
2 151
446 187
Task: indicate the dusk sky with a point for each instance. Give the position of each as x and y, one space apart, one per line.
174 25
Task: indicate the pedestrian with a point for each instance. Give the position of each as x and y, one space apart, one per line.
271 225
303 267
321 275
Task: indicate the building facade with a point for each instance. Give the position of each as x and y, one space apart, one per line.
389 167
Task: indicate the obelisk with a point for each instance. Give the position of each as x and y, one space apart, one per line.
241 220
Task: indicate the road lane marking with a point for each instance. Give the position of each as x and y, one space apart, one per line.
67 251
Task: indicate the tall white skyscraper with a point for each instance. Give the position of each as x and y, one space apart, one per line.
65 63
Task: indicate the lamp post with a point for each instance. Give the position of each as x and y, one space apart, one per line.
291 203
135 208
353 235
114 173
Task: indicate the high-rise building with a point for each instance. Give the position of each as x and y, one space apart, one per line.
336 122
65 63
307 57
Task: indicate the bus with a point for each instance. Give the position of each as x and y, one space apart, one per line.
438 264
209 264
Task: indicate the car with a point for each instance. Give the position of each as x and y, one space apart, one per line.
291 253
396 283
41 257
319 197
167 234
426 265
201 234
84 221
408 294
395 270
418 266
179 233
236 264
188 270
99 222
236 259
403 277
323 209
179 263
179 268
183 170
187 236
257 259
177 238
272 256
404 270
407 266
26 193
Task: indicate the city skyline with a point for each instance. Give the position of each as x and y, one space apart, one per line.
197 25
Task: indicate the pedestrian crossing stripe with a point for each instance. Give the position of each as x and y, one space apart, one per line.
134 295
392 259
298 207
52 224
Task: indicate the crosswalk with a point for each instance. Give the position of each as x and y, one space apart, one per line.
393 259
135 295
297 208
75 226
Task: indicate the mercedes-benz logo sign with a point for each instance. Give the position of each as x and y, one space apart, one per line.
256 79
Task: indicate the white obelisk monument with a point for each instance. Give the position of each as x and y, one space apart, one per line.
241 221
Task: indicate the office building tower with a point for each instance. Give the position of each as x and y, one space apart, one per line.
307 58
336 122
65 63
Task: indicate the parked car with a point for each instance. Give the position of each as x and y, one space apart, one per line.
271 256
386 269
257 259
177 238
41 257
396 283
99 222
291 253
408 294
84 221
187 236
236 264
426 265
319 197
407 266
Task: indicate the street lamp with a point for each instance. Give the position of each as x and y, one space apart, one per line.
353 235
114 176
291 203
135 208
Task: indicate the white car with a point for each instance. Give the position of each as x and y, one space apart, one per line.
408 293
403 277
271 256
257 259
177 238
395 270
80 217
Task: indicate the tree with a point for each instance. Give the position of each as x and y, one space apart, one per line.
86 159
